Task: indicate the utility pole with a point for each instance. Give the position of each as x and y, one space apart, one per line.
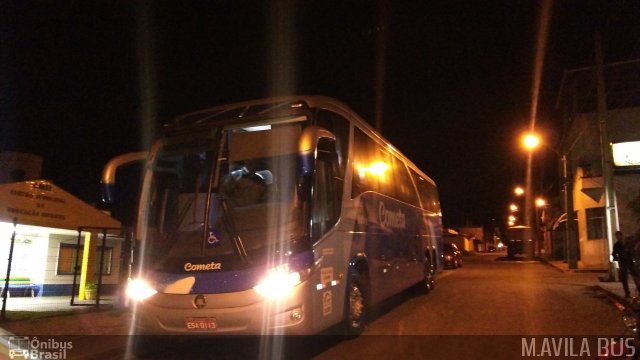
5 290
570 223
605 157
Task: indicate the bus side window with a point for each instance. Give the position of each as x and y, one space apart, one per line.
364 150
428 194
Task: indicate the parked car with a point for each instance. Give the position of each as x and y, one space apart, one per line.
452 256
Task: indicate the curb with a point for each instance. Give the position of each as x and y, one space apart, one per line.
614 297
578 271
610 294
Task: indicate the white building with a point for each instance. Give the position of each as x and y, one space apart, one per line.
53 229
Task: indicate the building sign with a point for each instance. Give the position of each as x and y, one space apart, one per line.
36 199
41 203
626 154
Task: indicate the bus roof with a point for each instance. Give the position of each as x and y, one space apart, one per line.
240 112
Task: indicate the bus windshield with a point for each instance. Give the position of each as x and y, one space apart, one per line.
228 198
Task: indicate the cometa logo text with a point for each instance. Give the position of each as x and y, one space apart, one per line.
202 267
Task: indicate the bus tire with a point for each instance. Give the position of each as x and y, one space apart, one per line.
428 283
357 306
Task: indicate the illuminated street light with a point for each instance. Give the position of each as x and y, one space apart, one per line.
513 207
540 202
518 191
531 141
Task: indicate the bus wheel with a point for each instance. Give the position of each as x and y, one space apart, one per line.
428 283
357 307
429 278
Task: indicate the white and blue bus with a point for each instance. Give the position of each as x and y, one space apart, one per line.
279 216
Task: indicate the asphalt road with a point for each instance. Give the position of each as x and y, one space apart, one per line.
487 310
491 297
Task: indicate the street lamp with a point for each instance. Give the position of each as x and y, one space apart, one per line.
518 191
531 141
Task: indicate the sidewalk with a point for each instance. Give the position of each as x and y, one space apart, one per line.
76 324
58 317
595 277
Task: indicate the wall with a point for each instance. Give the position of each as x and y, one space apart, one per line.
36 255
593 252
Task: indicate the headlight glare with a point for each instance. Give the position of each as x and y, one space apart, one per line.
278 283
138 290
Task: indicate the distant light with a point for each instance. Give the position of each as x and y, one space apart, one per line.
540 202
518 191
513 207
257 128
377 169
531 141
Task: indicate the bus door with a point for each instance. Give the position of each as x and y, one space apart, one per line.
328 279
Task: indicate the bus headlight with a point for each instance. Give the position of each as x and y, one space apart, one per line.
138 290
278 284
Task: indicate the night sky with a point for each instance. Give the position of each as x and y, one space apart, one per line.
83 81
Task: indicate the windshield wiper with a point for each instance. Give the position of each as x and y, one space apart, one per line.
230 225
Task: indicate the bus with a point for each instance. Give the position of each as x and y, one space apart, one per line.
520 241
286 215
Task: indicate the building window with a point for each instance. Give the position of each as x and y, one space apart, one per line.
595 223
108 256
67 259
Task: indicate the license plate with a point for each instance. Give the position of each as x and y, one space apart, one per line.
200 324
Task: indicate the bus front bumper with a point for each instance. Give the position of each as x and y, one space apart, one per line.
238 313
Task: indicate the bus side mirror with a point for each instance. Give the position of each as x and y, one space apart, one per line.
307 150
308 146
109 172
107 193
